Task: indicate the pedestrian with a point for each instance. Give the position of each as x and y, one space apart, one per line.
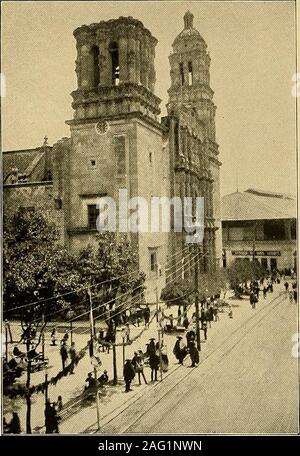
265 292
154 361
59 404
48 417
215 312
286 286
230 313
15 425
190 335
194 354
53 337
73 356
146 315
253 299
90 383
180 350
103 379
127 333
138 364
129 374
151 347
64 355
55 418
204 329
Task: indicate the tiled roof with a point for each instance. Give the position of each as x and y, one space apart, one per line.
20 159
258 205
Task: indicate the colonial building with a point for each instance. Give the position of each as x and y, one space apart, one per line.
261 225
118 141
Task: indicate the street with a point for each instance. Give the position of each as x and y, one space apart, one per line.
249 384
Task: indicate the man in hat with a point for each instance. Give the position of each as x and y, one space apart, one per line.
129 374
179 350
151 346
103 378
194 354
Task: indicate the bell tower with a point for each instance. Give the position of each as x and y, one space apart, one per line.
190 75
197 167
115 70
116 137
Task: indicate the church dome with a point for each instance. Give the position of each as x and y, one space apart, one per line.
189 35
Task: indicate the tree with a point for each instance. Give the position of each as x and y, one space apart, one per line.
241 271
35 269
111 271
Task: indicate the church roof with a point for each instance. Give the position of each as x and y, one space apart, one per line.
258 205
189 32
25 161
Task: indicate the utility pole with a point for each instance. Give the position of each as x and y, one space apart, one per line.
6 342
92 353
158 313
197 301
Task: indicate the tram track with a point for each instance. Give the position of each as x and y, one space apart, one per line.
262 313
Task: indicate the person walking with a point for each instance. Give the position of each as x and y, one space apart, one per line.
53 337
15 425
59 404
138 364
179 350
265 292
194 353
286 286
146 316
154 365
253 299
64 355
73 356
204 328
129 374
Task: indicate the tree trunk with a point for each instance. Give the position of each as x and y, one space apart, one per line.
28 414
28 398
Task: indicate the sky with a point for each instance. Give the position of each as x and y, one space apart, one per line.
252 49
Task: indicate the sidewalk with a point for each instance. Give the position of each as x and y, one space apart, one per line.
85 420
82 417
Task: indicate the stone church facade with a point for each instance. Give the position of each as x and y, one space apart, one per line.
117 141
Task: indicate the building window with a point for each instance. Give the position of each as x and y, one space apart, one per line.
181 70
93 213
273 264
153 260
293 229
190 74
274 230
96 70
264 263
93 163
120 154
114 53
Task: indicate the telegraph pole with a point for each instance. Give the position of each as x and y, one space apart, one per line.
92 353
197 302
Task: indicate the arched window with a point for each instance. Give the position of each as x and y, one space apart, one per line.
95 66
181 71
114 53
190 68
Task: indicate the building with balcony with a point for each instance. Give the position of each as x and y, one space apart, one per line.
261 225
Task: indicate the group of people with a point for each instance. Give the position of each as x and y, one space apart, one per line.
156 357
68 352
182 349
